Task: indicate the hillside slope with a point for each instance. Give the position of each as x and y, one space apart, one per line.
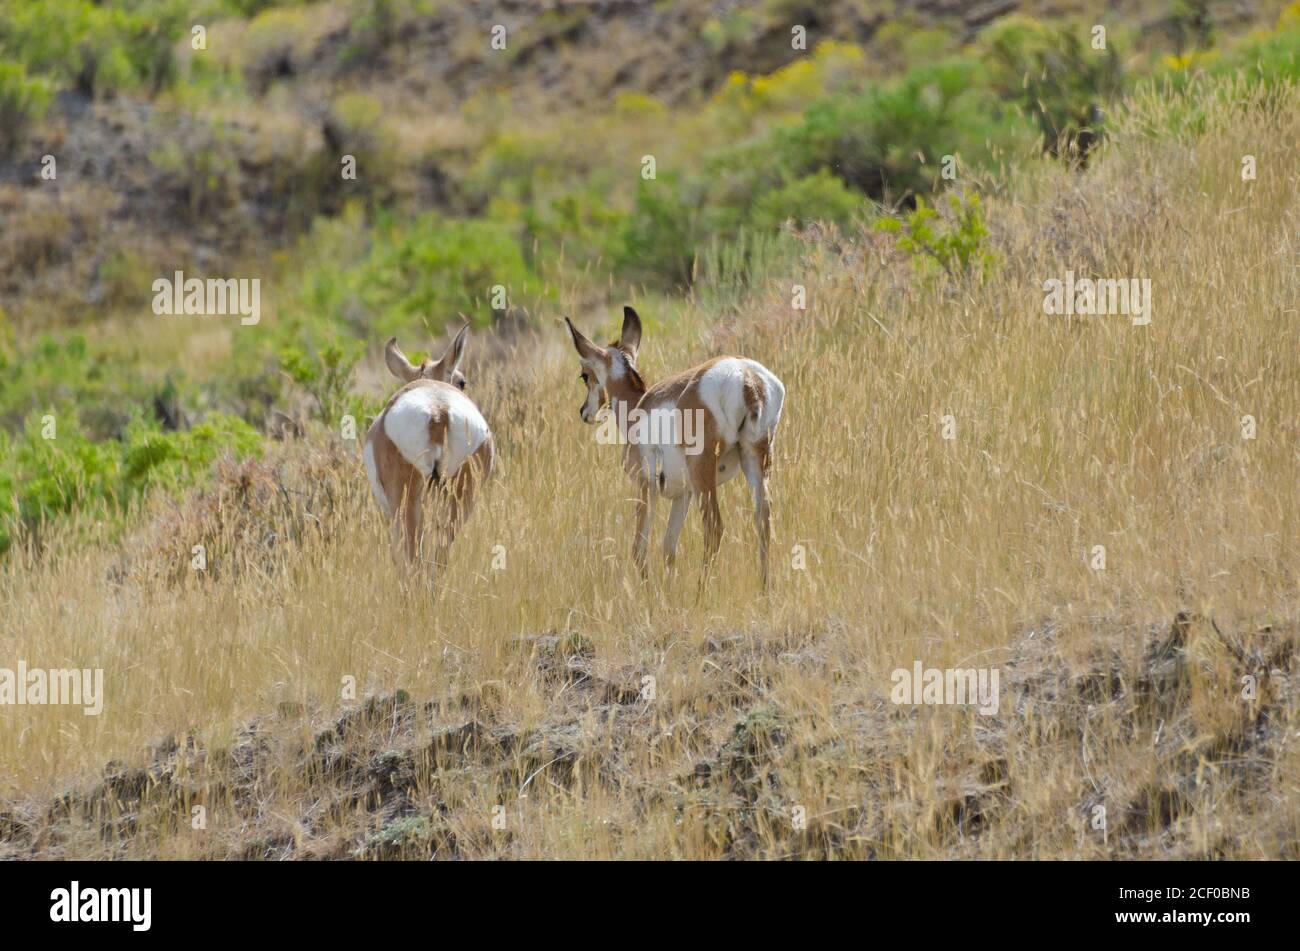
550 704
235 155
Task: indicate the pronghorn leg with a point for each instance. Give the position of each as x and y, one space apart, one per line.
712 534
396 534
645 509
676 519
704 482
456 502
712 525
407 525
398 487
451 501
755 460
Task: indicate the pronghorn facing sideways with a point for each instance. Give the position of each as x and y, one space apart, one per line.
735 406
432 439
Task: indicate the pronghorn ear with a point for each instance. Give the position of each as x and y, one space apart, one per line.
586 349
450 361
630 338
398 365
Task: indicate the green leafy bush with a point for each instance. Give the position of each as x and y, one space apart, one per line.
44 478
152 458
660 237
98 49
817 197
888 142
1056 76
436 267
1269 56
23 101
326 376
953 240
358 282
66 375
577 226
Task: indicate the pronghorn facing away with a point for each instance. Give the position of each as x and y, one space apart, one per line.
429 438
694 431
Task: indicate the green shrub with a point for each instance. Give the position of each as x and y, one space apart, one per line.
152 458
23 101
737 177
326 376
574 226
68 376
888 142
98 49
1270 57
42 479
953 241
1057 78
356 281
660 238
436 267
817 197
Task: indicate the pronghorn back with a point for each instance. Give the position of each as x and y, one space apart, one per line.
743 397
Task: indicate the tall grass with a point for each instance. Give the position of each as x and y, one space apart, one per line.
1069 433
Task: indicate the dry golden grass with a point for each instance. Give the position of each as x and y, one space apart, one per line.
1070 433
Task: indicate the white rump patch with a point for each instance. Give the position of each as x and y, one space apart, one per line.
722 390
407 424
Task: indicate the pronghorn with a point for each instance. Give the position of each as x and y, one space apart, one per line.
735 406
429 438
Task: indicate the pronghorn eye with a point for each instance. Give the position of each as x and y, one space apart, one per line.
584 378
462 383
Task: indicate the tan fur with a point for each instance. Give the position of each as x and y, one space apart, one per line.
681 389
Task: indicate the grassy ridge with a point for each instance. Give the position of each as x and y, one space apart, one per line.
900 546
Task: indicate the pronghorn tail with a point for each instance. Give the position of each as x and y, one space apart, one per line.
754 397
438 450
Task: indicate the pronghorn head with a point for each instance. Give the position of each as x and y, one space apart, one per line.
446 370
613 366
